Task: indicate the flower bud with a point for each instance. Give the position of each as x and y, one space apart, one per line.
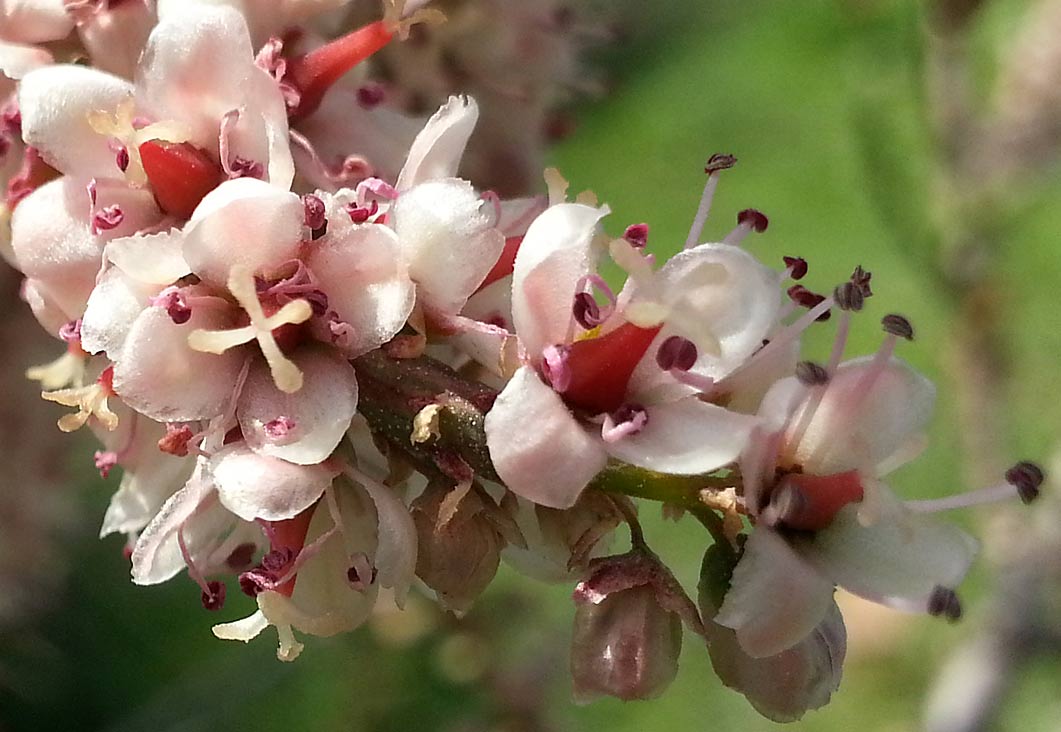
625 646
459 543
781 687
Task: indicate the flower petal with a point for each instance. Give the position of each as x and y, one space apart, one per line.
244 222
775 599
17 60
35 21
366 281
397 548
898 560
56 103
686 437
255 486
319 413
556 252
159 375
448 241
436 152
155 258
538 448
113 307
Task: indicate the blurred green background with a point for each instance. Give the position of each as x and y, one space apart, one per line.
826 105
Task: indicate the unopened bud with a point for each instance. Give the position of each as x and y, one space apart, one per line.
625 646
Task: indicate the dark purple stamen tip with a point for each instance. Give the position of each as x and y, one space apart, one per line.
315 217
213 597
586 310
943 602
108 218
361 214
676 353
636 235
243 168
755 219
1026 477
371 95
241 556
807 299
898 326
719 161
277 559
254 581
849 296
798 265
121 158
861 278
812 374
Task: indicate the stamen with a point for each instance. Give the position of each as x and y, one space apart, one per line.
361 574
286 375
748 220
234 165
213 597
861 278
105 462
944 602
361 214
1026 477
848 296
636 235
898 326
344 172
176 305
71 332
628 420
676 354
807 299
812 374
555 367
586 311
254 581
277 560
714 165
796 266
315 217
279 429
371 95
91 401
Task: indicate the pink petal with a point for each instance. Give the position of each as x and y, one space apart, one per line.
537 446
685 437
775 598
35 21
557 251
160 376
112 308
244 222
319 413
448 241
254 486
56 102
436 152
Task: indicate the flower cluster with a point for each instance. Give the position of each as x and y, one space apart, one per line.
322 381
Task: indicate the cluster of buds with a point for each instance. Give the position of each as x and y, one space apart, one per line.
319 383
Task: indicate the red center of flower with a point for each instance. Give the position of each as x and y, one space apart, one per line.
811 502
601 367
505 263
288 537
180 175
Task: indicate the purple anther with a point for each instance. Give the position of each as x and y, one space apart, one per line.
636 235
255 580
810 373
361 214
754 219
318 301
898 326
279 428
107 218
586 311
1026 477
849 296
555 367
71 332
627 420
315 217
719 161
105 462
175 304
277 560
371 95
676 353
241 556
361 573
213 597
797 265
242 168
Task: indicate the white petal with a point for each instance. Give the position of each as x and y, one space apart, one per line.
436 152
115 36
367 283
320 411
396 552
494 349
898 560
159 375
199 66
723 300
775 598
555 253
113 307
254 486
35 21
244 222
56 102
538 448
155 258
859 426
448 241
685 437
17 60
